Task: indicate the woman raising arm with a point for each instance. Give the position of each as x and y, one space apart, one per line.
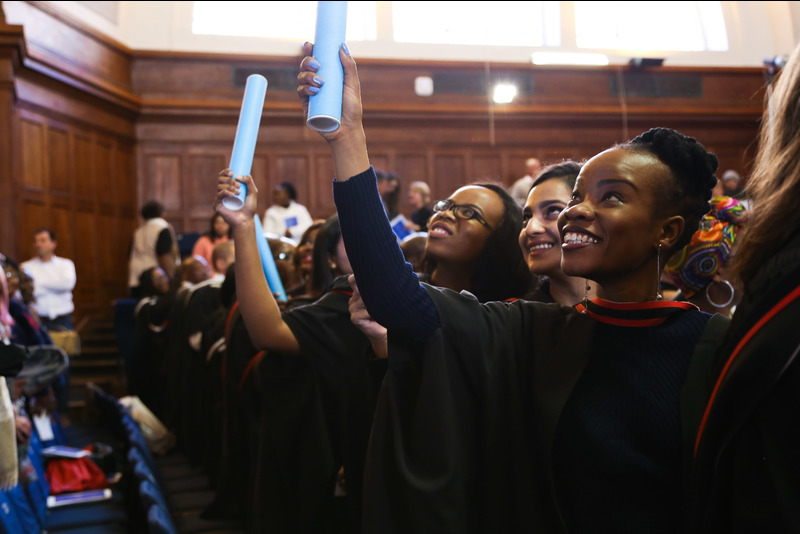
512 417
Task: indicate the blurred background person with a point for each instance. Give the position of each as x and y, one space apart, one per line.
389 190
419 198
286 217
219 232
154 243
519 190
54 279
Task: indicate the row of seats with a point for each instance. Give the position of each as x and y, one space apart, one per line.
171 494
24 508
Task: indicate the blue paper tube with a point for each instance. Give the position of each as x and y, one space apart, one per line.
268 262
325 108
244 145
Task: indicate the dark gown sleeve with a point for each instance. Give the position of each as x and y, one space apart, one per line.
376 258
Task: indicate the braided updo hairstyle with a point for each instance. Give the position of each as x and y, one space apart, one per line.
692 167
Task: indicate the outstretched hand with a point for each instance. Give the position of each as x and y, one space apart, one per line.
228 187
348 142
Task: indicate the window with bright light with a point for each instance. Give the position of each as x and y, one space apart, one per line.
478 23
277 20
673 26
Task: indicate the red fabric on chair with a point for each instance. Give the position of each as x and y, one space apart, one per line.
67 475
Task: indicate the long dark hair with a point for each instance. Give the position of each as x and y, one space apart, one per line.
501 272
324 247
211 234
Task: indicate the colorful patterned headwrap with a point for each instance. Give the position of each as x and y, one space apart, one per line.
693 267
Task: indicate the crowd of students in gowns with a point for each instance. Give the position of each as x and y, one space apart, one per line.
444 401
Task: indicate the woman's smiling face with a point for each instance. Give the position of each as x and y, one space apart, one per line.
609 230
539 238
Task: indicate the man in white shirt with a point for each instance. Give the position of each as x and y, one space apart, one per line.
286 217
522 187
53 280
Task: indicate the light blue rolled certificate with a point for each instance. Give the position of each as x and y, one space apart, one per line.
244 145
325 107
268 262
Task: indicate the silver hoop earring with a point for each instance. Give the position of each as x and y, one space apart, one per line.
586 289
659 296
727 302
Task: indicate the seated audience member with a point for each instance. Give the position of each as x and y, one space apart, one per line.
146 370
26 292
540 238
701 270
528 416
153 282
286 217
304 261
27 329
745 474
219 232
283 252
328 263
221 258
419 198
192 271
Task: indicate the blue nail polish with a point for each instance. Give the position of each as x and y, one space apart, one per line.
318 80
313 64
313 89
346 50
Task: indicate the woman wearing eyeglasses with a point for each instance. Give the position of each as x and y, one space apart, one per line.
472 246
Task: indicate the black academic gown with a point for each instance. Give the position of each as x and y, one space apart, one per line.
466 433
746 469
349 378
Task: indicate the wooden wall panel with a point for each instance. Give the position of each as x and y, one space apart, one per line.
32 216
84 168
58 155
125 178
74 54
485 167
322 205
449 173
60 222
260 173
411 168
163 182
33 155
87 261
105 185
202 170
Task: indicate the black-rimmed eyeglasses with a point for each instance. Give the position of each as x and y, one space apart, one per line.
461 211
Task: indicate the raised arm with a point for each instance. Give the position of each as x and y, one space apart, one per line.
260 310
388 285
